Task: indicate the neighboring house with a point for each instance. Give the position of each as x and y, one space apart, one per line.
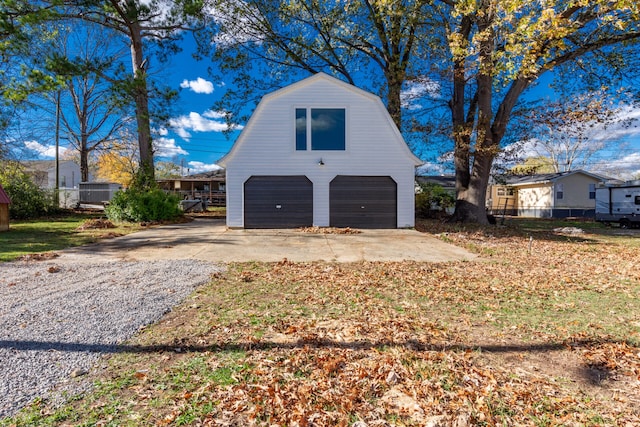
43 173
320 152
5 201
209 186
553 195
447 182
502 199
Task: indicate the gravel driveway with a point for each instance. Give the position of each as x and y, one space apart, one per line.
57 318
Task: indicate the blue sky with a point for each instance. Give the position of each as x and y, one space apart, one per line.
197 131
195 138
195 135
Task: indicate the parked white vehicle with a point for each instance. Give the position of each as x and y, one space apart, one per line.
619 203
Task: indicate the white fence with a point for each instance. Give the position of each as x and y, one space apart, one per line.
68 197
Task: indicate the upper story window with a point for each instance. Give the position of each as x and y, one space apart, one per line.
301 129
320 129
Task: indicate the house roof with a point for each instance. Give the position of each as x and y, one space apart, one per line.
38 165
4 198
192 179
42 165
545 178
442 180
218 173
304 82
623 184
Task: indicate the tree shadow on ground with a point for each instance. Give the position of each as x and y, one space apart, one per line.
595 375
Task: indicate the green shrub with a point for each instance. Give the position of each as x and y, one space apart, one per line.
139 205
27 199
432 201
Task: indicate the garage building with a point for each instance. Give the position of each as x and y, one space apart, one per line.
320 152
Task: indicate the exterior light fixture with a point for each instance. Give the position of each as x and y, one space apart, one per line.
321 162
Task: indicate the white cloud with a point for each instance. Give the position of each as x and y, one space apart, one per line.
199 85
160 13
431 168
417 89
606 143
238 22
166 147
210 114
624 168
521 150
627 126
197 167
44 150
442 166
194 122
629 166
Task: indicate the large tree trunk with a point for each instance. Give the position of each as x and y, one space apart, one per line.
471 184
141 96
471 199
84 138
394 106
84 165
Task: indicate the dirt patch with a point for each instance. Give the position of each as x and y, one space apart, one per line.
211 214
605 369
96 224
43 256
109 235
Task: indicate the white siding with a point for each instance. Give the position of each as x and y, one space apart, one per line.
576 192
69 175
374 147
535 201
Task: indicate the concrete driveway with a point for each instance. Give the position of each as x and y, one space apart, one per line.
211 240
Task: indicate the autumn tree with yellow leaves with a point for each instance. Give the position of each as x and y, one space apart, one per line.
498 50
480 55
118 163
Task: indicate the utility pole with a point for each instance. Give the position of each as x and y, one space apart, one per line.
56 194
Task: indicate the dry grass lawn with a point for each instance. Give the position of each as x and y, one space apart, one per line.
543 329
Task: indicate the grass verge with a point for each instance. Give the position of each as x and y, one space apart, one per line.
51 234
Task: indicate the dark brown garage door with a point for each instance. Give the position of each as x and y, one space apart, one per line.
363 202
278 202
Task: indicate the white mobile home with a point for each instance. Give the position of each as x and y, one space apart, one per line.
552 195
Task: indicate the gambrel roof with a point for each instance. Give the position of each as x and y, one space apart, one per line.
262 108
